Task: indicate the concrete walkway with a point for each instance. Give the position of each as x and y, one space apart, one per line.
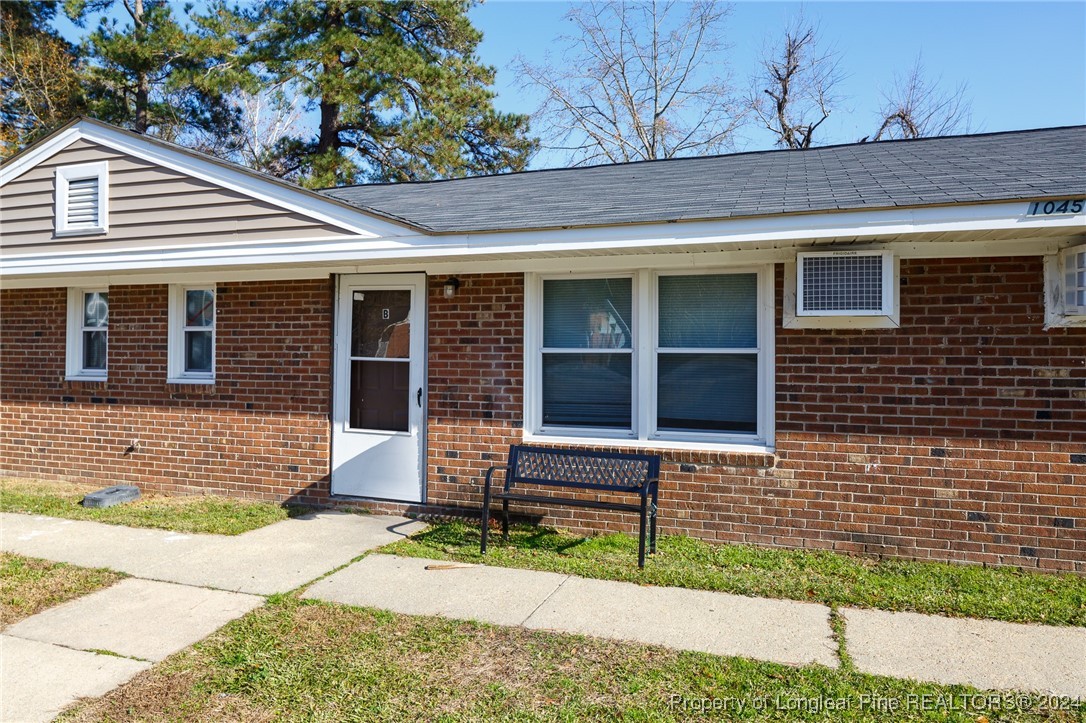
268 560
985 654
184 587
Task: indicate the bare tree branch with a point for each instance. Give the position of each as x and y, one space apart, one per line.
638 82
793 92
917 107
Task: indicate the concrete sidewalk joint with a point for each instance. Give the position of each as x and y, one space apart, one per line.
38 680
137 618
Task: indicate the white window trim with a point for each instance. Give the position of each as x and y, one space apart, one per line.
643 400
1057 314
66 174
74 370
792 320
176 373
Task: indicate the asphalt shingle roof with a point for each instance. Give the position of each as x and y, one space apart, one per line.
950 170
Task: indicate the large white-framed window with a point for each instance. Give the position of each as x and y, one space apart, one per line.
192 334
651 358
88 334
82 199
1065 287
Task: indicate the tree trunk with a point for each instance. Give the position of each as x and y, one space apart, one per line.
333 67
143 85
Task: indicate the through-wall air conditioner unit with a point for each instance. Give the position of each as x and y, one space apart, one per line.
845 283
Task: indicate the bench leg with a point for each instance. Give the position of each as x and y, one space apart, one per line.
641 535
505 520
655 512
486 518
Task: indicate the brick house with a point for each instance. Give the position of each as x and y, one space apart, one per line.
874 348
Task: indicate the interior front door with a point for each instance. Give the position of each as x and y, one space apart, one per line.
379 378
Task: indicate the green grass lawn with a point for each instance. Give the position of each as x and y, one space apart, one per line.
29 585
826 577
297 660
200 514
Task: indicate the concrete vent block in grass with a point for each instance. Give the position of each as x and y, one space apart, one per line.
111 496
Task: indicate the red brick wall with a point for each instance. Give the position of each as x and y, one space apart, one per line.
260 431
960 436
476 360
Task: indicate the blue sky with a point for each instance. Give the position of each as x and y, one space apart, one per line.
1024 63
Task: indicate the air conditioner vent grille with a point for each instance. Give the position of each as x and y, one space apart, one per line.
842 283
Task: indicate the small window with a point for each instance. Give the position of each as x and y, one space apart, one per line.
192 334
1065 288
1073 262
88 333
587 354
844 283
82 199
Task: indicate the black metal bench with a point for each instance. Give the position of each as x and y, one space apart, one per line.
608 472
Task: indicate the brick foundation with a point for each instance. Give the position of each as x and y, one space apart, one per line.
960 436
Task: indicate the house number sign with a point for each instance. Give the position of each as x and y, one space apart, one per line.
1056 208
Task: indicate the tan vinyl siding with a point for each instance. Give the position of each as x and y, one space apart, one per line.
148 206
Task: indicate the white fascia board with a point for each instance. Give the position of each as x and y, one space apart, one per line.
13 169
510 263
778 231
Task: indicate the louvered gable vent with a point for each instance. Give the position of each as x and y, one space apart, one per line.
82 198
82 212
844 283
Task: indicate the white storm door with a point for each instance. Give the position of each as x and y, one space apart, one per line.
379 395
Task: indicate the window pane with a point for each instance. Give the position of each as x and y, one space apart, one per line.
709 311
587 313
380 395
199 307
94 349
379 325
587 390
708 392
198 351
96 309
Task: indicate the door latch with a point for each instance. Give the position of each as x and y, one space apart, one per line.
418 397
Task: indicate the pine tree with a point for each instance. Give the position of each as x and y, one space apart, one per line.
39 74
158 74
399 90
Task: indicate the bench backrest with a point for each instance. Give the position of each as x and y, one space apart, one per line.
608 471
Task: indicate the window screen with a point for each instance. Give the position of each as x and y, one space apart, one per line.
199 330
707 360
95 330
587 359
841 283
1074 282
